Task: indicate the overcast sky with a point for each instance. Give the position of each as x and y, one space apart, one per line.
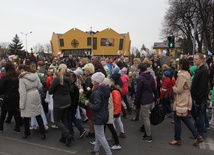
141 18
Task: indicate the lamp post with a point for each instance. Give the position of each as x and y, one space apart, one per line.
26 34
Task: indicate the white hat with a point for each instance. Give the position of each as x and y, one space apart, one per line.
124 69
78 72
98 77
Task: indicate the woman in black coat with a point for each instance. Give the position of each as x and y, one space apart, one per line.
9 86
60 88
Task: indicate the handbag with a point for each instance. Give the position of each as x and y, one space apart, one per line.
2 100
181 111
156 116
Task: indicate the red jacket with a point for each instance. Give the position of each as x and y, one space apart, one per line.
117 101
125 84
48 82
166 88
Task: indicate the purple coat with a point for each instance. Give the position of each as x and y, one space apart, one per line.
146 91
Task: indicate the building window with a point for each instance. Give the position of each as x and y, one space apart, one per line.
74 43
61 41
121 44
107 42
94 43
89 41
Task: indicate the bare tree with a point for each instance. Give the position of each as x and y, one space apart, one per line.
38 48
47 48
180 19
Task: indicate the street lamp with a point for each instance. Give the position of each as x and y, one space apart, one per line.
26 40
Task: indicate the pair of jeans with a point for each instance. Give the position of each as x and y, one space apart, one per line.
60 118
126 101
71 118
187 122
198 114
101 139
166 103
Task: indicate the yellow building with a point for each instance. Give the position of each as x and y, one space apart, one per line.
76 42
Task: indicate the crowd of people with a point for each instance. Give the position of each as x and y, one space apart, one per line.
102 90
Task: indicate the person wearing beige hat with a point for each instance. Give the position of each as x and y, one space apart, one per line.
88 70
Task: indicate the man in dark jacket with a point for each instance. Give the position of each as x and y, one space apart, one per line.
199 92
71 62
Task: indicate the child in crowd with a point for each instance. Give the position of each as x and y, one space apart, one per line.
166 93
117 99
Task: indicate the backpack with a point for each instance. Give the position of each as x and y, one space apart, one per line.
169 91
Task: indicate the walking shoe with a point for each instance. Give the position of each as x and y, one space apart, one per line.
92 142
16 131
116 147
122 135
46 127
33 128
62 139
54 126
198 140
135 119
93 152
82 134
85 120
175 142
90 135
69 139
147 139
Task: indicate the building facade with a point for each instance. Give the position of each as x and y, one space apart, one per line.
174 52
78 43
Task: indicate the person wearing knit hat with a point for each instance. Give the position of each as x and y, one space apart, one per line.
78 72
167 73
124 70
166 93
98 104
98 77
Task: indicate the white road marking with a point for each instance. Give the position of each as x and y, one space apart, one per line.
208 144
38 145
3 153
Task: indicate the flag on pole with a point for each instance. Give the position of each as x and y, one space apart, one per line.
118 52
210 53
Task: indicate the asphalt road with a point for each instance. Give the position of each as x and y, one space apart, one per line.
12 143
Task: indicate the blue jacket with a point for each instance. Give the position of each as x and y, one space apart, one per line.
99 104
146 91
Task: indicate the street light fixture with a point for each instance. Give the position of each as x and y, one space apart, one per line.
26 34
